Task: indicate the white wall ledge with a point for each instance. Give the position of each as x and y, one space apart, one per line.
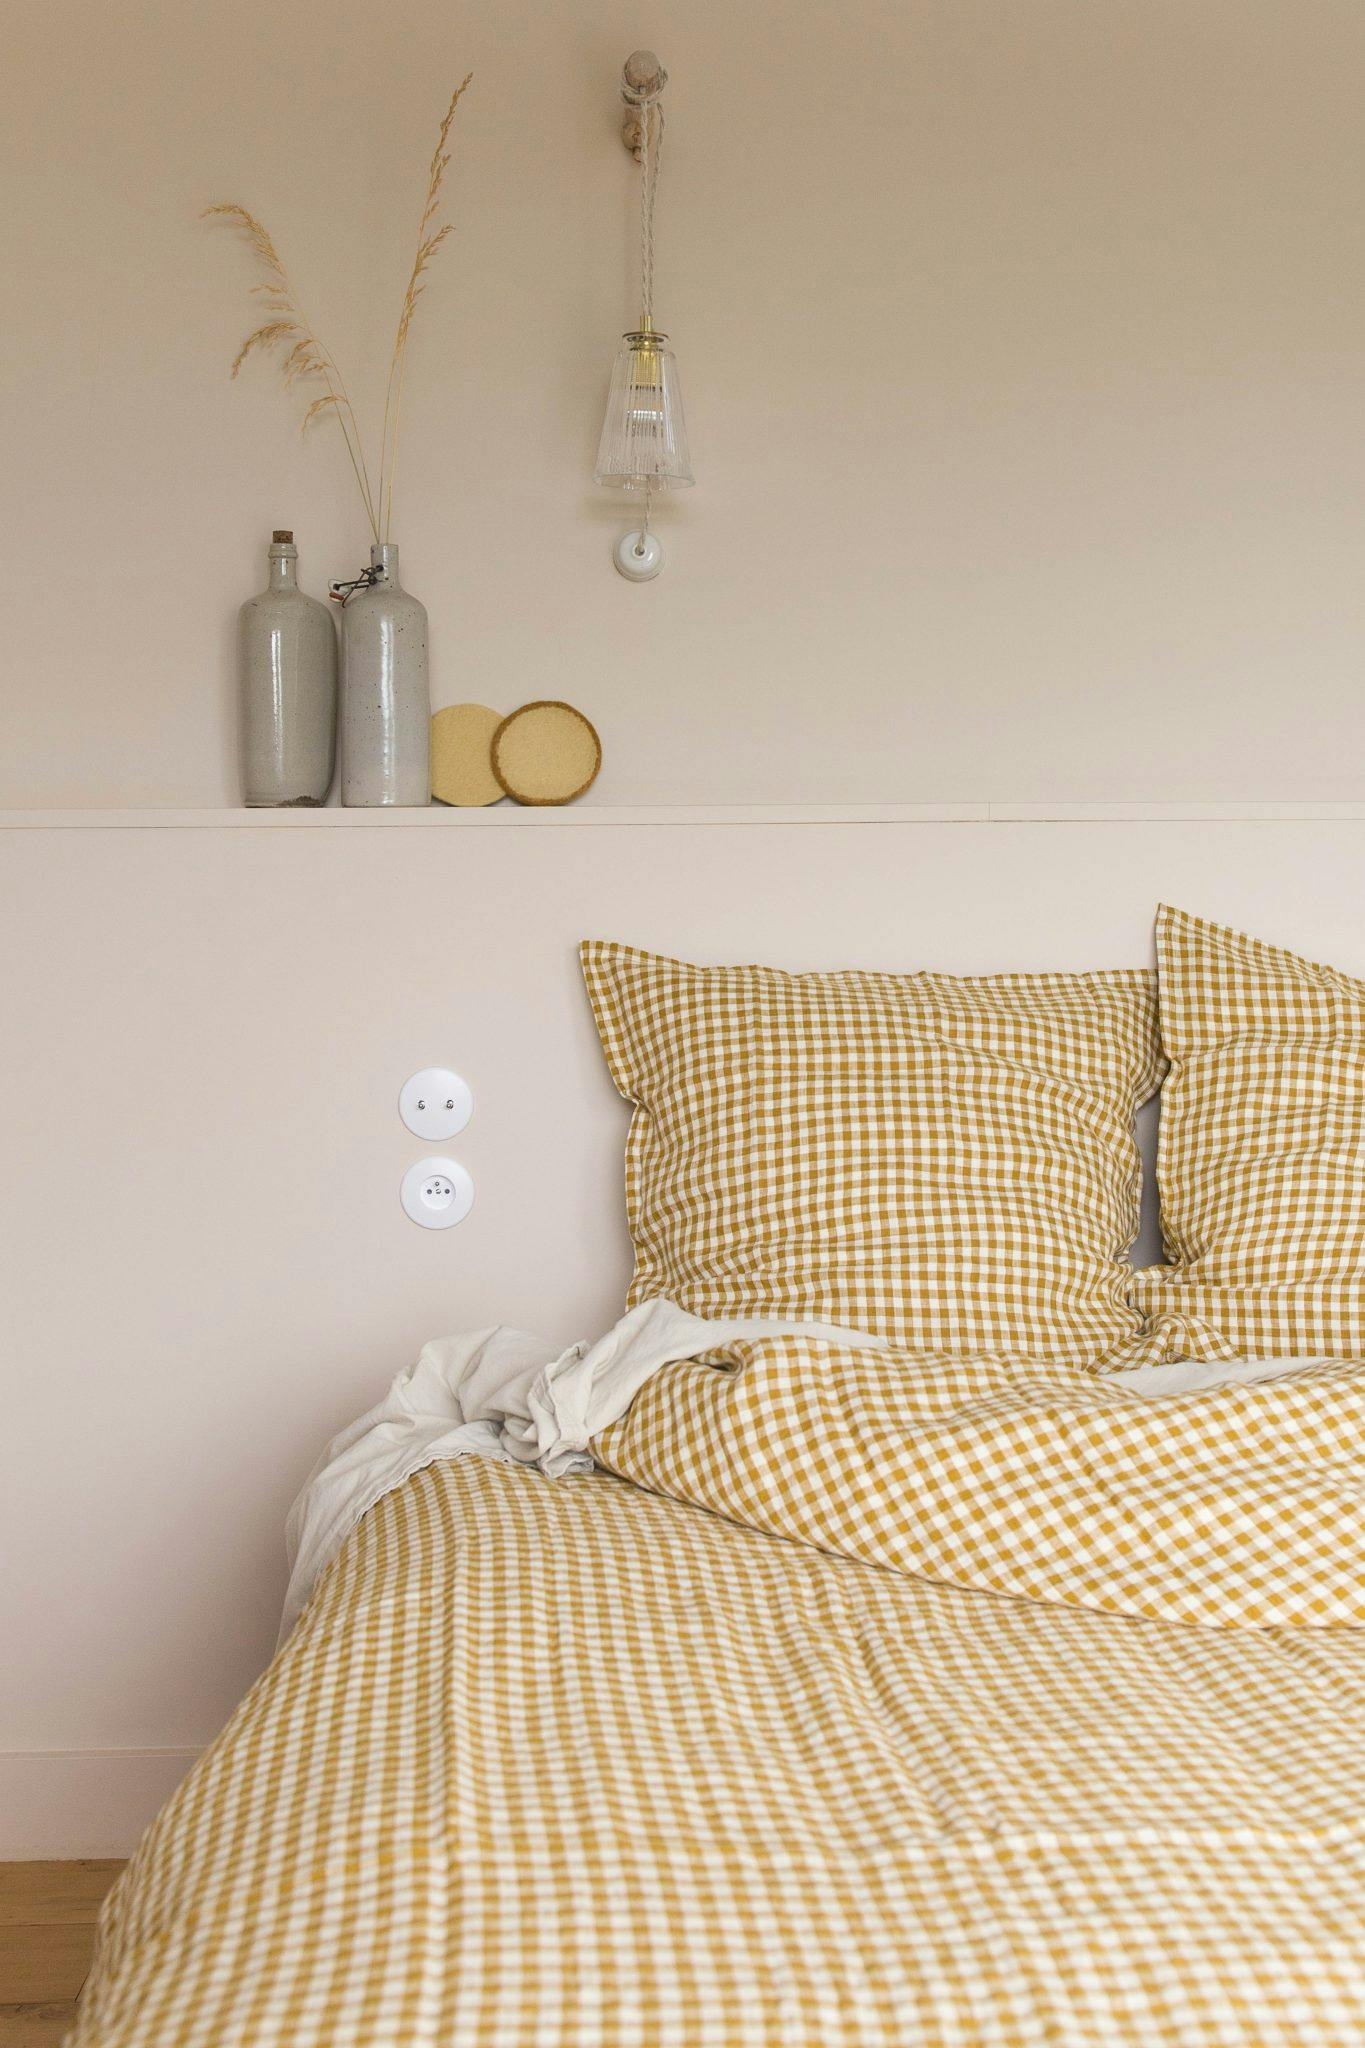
439 817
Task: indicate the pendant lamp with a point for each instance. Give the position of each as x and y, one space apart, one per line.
644 437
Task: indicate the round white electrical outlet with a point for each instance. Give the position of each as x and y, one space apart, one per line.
437 1193
435 1103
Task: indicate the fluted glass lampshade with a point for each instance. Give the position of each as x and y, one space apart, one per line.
644 438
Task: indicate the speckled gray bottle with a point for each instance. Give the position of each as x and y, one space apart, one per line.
288 652
385 701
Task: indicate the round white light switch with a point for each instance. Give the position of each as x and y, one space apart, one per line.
435 1103
437 1193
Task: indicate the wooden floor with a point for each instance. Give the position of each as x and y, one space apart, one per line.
47 1931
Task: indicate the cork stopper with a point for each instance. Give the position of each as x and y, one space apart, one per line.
283 535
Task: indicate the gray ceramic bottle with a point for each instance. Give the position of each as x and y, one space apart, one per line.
385 701
288 648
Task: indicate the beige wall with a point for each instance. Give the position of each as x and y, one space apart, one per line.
204 1268
1020 340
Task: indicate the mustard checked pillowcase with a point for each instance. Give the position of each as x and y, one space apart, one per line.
1261 1160
946 1162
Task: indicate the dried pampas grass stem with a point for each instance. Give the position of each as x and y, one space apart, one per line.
285 331
429 240
305 356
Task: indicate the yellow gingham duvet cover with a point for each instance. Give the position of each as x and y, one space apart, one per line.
574 1763
1241 1506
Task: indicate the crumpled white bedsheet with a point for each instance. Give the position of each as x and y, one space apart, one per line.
499 1393
504 1393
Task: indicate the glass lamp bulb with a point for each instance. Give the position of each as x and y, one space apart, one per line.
644 436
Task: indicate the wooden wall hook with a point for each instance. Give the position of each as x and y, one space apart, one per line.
643 78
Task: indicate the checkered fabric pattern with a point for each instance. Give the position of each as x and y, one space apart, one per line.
1240 1507
946 1162
1262 1151
572 1766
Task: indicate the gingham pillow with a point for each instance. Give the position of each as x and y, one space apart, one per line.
1262 1152
946 1162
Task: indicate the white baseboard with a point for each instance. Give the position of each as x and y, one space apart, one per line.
82 1802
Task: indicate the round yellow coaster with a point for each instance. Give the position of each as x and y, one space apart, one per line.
461 765
546 753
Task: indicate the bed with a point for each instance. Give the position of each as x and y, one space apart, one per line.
759 1681
580 1761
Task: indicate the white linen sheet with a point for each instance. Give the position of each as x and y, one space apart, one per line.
497 1393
